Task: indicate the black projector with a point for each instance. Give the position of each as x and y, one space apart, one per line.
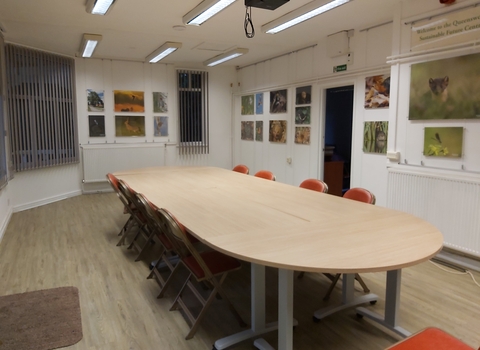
266 4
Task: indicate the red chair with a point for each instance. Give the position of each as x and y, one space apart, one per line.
361 195
113 181
430 339
207 266
265 174
314 185
240 168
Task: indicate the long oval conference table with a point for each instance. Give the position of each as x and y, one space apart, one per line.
273 224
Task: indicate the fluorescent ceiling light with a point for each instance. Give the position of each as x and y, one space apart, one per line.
163 51
99 7
225 57
205 10
89 43
301 14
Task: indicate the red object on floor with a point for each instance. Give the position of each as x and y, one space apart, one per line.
430 339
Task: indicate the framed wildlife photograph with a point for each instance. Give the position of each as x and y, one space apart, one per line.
302 115
131 125
375 137
302 135
160 126
278 101
377 91
259 130
247 105
443 142
160 103
278 131
445 89
95 100
303 95
96 125
247 131
259 103
128 101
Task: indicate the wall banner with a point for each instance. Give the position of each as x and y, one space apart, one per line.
448 29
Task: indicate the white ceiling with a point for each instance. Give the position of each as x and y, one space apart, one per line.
134 28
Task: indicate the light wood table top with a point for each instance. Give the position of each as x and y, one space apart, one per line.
284 226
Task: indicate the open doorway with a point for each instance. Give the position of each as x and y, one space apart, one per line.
338 139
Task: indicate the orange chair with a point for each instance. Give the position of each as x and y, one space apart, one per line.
314 185
430 339
240 168
361 195
206 266
113 181
265 174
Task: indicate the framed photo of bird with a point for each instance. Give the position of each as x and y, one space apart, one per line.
443 142
96 125
128 101
160 126
129 125
375 137
278 101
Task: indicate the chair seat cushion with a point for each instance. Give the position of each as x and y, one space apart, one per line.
431 339
217 263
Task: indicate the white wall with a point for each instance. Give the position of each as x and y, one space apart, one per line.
312 66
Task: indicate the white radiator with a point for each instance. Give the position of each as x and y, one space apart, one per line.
450 202
98 160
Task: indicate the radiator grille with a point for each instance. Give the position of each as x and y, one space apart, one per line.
451 204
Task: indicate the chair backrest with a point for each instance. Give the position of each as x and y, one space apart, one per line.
360 194
265 174
113 181
240 168
315 185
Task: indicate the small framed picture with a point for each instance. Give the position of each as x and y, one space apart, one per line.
129 125
96 125
160 126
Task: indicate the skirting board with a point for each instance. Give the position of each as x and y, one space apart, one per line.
39 203
5 222
458 260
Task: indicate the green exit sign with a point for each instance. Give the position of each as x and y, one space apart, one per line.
340 68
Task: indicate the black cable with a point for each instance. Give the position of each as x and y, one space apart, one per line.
249 23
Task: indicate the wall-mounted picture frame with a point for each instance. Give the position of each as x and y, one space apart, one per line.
128 101
160 102
160 126
377 91
302 135
278 101
247 105
277 131
96 126
259 103
445 89
129 125
247 130
443 142
375 136
95 100
259 130
303 95
302 115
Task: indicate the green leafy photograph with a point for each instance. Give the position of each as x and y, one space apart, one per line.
375 137
247 105
443 142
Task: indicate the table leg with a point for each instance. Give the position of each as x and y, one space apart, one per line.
348 298
258 326
392 304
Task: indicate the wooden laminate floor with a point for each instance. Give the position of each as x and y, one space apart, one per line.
73 243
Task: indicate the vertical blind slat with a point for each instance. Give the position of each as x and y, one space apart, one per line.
41 105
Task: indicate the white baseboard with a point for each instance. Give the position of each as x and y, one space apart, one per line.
5 223
44 201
